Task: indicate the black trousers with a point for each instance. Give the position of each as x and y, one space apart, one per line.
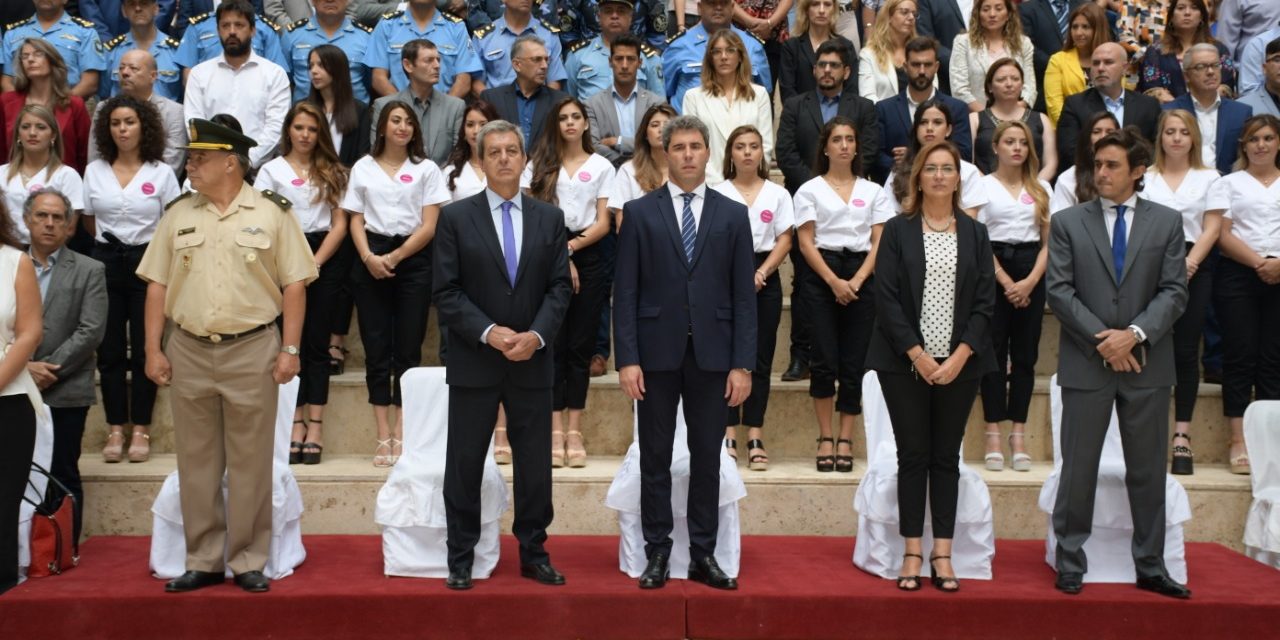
1248 309
322 298
576 342
801 318
928 427
768 316
68 429
1187 332
841 332
704 415
1015 334
125 399
393 318
609 249
344 303
472 412
16 453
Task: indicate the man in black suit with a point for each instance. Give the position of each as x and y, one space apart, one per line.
942 20
501 287
1108 93
526 101
896 115
803 116
1045 23
695 343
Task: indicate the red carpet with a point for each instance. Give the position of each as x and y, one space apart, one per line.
792 587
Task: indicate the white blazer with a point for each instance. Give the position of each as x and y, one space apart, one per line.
969 66
874 83
722 118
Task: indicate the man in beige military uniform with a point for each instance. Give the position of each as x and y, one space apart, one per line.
225 262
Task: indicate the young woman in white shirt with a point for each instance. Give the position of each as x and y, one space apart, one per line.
565 172
772 220
463 174
35 161
647 168
309 174
727 99
1017 218
393 197
838 221
1181 181
932 124
1075 184
126 190
1246 290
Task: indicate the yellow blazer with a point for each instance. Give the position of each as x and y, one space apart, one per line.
1062 78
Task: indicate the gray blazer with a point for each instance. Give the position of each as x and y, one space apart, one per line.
440 123
604 122
75 319
1261 102
1083 293
286 12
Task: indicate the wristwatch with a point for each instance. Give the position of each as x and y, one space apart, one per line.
289 349
744 370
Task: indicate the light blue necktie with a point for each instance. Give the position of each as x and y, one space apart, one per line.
688 228
1118 242
509 241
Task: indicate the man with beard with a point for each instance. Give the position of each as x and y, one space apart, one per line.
240 83
897 114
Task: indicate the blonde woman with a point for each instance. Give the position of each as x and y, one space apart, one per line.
1066 74
35 160
727 99
881 61
995 32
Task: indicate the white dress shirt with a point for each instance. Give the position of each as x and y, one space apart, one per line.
64 179
1009 219
972 193
467 184
1064 192
517 225
278 176
1109 216
130 213
1191 198
577 194
257 94
1207 118
393 206
771 215
840 224
1254 210
624 187
677 200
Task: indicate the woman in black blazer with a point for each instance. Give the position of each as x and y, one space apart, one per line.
815 24
935 293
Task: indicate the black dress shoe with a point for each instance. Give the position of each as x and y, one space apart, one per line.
459 579
192 580
1070 583
797 371
708 572
253 582
543 573
1165 586
656 572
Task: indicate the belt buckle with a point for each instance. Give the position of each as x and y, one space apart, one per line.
215 338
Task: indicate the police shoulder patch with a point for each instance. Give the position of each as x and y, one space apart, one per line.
392 14
649 51
198 19
170 43
82 22
178 199
15 25
450 17
278 199
267 21
677 36
115 42
484 31
362 26
553 28
578 45
298 24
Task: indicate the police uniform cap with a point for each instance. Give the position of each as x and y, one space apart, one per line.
211 136
629 3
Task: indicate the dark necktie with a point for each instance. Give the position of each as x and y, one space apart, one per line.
1118 242
688 228
509 241
1060 10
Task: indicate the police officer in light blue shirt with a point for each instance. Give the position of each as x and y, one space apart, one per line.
108 17
75 38
329 24
459 65
494 41
200 41
650 23
682 61
576 19
142 18
588 62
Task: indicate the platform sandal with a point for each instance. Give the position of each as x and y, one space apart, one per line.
731 448
826 463
844 464
910 583
757 461
994 460
295 447
1021 460
1182 463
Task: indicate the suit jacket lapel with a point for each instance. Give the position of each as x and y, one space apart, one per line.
526 243
903 110
913 245
61 271
815 110
709 210
1096 225
668 214
483 221
1137 236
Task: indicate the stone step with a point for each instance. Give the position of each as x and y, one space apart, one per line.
789 499
790 425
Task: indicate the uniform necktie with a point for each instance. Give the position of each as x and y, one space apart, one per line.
688 228
509 241
1118 242
1060 10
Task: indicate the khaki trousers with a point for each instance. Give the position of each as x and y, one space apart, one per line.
224 410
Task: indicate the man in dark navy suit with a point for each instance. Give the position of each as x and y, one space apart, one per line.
684 322
501 287
897 114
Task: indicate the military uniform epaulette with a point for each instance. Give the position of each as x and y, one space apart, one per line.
649 51
14 25
362 26
578 45
198 19
171 43
178 199
450 17
756 37
82 22
298 25
484 31
115 42
392 14
267 21
278 199
550 27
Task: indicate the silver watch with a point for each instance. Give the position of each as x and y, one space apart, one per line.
289 349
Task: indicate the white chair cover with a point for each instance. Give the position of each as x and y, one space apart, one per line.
410 506
1262 436
1109 547
43 455
169 545
879 547
624 497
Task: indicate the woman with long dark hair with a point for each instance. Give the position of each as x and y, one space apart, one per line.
1187 23
393 197
565 172
1068 70
464 174
308 173
126 190
932 124
647 168
1075 185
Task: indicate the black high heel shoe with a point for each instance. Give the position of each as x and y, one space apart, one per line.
1182 463
827 463
759 461
339 364
731 447
914 584
844 464
295 447
940 582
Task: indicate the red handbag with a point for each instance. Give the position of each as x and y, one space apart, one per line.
54 548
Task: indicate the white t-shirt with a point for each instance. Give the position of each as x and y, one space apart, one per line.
839 224
1254 210
1064 193
972 193
467 184
624 187
1009 219
65 179
393 206
1190 199
130 213
278 176
577 194
771 215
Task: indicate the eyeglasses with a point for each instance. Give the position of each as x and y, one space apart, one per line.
1201 68
829 65
947 170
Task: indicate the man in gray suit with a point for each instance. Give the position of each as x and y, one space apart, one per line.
439 114
73 289
1266 98
625 103
1117 282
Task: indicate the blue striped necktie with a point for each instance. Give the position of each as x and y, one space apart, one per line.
1060 10
688 228
1119 242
